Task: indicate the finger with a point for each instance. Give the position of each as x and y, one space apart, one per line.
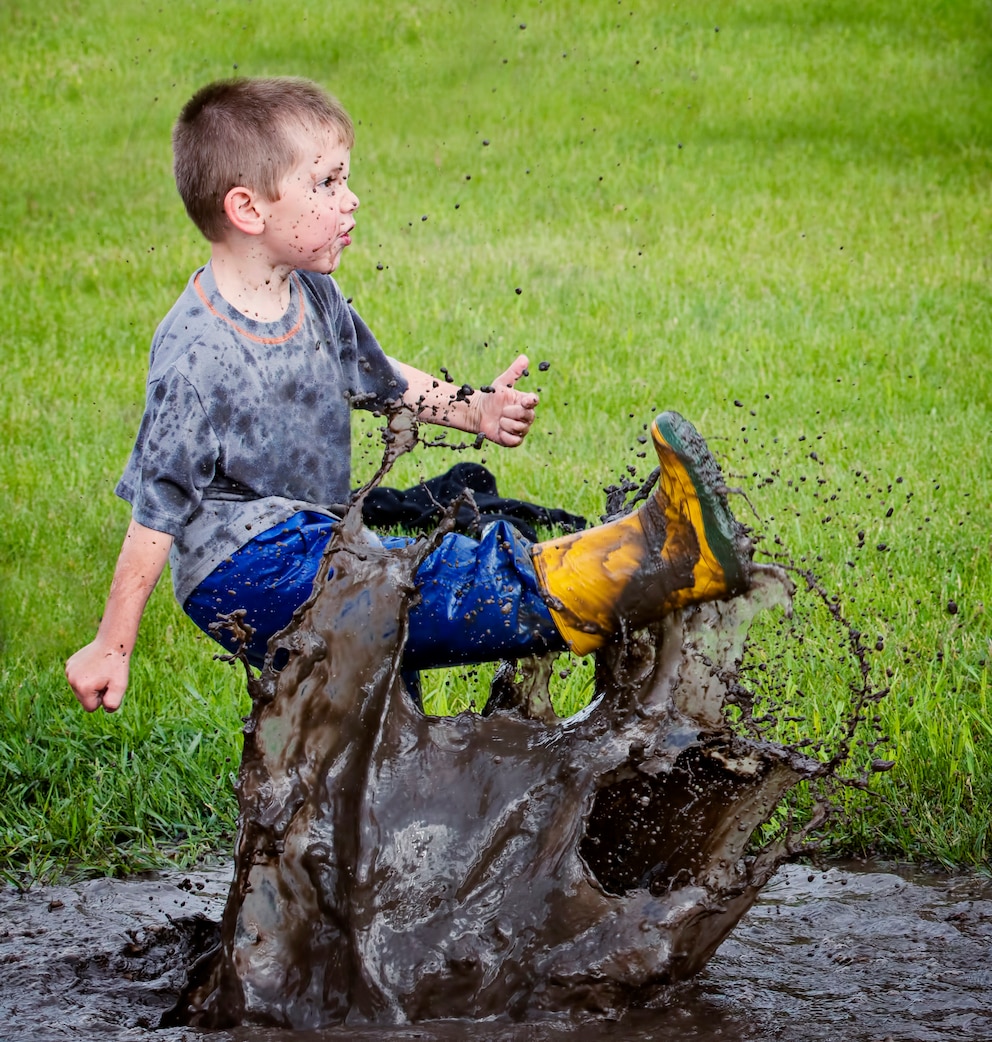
113 695
520 424
89 700
511 434
520 407
516 414
517 369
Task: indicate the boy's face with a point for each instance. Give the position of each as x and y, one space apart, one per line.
309 225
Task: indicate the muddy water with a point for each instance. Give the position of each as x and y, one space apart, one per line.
857 952
393 868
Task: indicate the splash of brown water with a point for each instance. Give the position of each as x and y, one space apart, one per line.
393 867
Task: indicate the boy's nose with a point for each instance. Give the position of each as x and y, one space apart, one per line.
352 201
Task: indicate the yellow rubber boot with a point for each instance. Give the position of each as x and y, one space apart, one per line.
682 547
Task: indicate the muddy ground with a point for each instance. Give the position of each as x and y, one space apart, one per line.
856 952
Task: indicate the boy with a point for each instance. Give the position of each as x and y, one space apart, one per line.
244 446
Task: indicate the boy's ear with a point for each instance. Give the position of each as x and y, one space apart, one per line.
242 210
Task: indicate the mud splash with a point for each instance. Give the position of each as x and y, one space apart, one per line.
394 868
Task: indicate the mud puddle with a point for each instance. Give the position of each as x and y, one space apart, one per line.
511 874
856 952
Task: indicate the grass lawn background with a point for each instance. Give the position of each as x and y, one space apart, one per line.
772 217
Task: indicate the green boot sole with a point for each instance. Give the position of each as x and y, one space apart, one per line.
691 477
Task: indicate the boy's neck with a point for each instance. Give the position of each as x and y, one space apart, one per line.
249 284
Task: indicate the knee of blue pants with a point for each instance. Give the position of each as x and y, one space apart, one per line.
478 600
267 579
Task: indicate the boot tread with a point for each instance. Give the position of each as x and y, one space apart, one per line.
727 539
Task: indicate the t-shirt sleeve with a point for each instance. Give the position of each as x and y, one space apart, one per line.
370 379
376 370
174 457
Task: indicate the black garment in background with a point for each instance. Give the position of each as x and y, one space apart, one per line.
419 509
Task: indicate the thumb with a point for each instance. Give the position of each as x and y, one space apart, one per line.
517 369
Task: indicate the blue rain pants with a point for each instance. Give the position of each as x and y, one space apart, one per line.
479 600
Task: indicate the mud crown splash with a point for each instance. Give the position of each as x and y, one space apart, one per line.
395 867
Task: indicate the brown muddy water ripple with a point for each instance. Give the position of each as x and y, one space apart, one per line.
857 952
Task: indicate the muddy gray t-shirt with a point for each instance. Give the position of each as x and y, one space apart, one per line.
247 422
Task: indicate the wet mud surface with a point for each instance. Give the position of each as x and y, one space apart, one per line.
504 876
855 952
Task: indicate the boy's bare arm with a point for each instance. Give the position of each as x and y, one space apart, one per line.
500 413
98 673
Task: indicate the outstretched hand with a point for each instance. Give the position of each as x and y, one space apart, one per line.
506 414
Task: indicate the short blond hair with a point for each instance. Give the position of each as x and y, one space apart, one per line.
246 132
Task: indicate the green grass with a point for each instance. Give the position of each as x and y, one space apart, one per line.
778 205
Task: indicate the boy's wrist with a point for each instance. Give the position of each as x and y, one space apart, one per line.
114 644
